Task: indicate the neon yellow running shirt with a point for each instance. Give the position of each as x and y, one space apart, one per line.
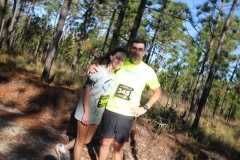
130 82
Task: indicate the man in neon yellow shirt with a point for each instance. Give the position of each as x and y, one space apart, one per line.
124 101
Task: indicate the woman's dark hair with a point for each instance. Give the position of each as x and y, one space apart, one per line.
105 59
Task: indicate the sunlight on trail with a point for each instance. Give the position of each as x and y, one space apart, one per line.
11 110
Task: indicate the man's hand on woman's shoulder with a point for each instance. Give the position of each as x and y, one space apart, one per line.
92 69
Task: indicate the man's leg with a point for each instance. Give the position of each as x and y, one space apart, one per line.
118 151
104 149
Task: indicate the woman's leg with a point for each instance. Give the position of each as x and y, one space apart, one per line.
69 145
91 131
84 136
82 131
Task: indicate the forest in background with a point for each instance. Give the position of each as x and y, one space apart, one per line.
201 70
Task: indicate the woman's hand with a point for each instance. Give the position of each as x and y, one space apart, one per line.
85 119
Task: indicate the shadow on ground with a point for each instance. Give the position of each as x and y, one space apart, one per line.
207 146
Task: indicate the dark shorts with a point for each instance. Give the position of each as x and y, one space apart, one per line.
116 126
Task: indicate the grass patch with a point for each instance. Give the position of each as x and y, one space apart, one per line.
31 64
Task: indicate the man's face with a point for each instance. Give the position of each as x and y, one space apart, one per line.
137 51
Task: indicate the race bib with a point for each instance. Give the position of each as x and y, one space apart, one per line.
103 101
124 92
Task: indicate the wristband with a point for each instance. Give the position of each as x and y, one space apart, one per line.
146 107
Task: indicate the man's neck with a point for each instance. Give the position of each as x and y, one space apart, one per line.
135 62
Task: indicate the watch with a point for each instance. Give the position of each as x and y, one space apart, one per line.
146 107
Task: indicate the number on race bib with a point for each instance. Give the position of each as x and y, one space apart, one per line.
124 92
103 101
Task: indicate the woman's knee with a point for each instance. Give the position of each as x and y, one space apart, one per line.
80 142
87 141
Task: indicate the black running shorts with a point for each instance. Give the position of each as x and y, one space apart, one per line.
116 126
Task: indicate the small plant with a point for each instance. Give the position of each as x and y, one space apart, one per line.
10 61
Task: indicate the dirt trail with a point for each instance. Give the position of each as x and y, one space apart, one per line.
28 137
34 117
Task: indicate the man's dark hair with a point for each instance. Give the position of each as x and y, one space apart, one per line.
138 40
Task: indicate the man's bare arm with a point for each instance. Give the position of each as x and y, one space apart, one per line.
153 99
155 96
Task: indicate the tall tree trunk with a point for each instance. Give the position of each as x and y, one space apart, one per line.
197 90
231 111
137 21
108 30
12 27
3 5
42 36
30 16
25 29
13 33
2 32
116 32
216 103
214 67
175 82
15 11
77 55
53 47
87 17
150 52
3 10
188 88
228 87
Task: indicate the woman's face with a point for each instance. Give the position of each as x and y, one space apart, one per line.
118 60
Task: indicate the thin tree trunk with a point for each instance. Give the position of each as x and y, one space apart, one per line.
226 92
27 22
214 67
87 17
150 54
15 11
30 16
198 87
3 5
14 29
116 32
175 82
137 21
13 26
77 55
2 33
42 36
197 90
53 47
216 104
231 112
108 30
